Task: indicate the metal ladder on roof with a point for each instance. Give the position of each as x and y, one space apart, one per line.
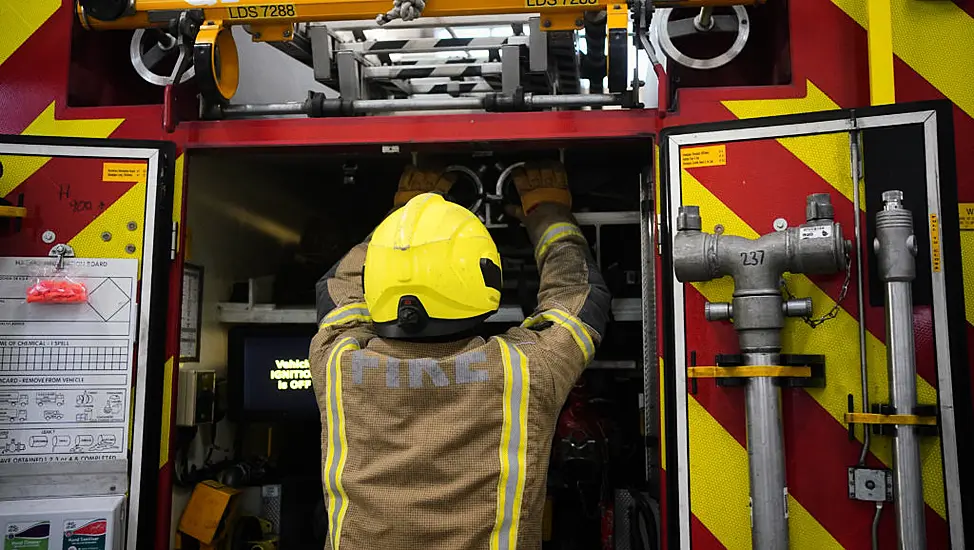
344 58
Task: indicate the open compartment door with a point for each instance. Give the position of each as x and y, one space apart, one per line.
751 178
83 377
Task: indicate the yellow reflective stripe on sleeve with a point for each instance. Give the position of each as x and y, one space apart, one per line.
337 441
555 233
575 327
513 449
346 314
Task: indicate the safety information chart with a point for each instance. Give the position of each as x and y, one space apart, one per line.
66 368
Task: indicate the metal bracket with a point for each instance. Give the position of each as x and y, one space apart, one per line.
890 419
61 251
884 420
13 212
510 68
749 371
349 76
321 53
813 365
870 484
537 47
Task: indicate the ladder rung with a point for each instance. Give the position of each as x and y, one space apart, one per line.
450 88
431 71
434 22
372 47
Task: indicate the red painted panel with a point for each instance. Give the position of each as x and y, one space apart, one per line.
912 87
708 339
817 448
701 538
64 196
454 128
35 75
755 169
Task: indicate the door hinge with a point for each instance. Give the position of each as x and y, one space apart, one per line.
174 240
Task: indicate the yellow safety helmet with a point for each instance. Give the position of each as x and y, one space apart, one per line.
432 269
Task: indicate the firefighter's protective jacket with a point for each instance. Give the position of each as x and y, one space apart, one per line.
445 445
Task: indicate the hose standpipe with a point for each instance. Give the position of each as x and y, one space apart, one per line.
759 310
895 246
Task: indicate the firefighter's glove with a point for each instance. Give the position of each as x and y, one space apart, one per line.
415 181
542 182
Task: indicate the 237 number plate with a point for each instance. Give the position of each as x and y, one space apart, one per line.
262 11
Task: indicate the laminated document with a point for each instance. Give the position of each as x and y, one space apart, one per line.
66 368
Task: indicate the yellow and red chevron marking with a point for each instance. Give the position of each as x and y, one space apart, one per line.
34 68
767 179
817 447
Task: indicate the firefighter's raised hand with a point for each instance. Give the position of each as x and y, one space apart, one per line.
416 181
542 182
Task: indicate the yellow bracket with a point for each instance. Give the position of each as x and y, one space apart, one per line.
562 14
13 212
216 61
890 419
617 16
280 32
562 21
750 371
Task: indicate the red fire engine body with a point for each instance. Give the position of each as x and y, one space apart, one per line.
933 46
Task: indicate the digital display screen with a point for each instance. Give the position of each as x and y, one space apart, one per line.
277 376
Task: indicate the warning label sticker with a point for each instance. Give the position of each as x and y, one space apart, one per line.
129 172
934 243
967 216
697 157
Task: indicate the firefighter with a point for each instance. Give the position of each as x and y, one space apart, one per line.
434 437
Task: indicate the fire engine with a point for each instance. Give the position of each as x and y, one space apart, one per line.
779 194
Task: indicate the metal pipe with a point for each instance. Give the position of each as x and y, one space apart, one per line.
766 458
431 22
875 529
573 100
264 109
758 311
370 106
860 300
704 20
907 482
362 106
895 247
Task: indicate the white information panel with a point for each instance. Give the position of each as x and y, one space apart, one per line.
66 368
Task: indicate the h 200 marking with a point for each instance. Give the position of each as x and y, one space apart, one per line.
755 257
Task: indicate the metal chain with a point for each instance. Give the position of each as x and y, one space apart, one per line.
832 313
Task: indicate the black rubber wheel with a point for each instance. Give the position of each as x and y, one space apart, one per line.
105 10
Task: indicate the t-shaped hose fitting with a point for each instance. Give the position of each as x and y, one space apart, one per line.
756 266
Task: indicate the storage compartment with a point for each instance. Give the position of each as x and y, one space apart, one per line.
265 225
